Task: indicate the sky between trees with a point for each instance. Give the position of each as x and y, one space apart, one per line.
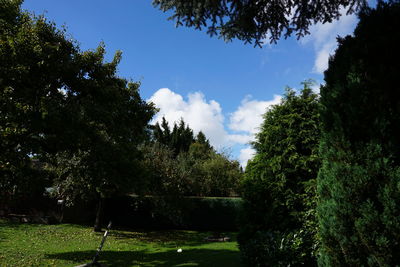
219 88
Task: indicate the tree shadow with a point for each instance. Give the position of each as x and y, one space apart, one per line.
187 238
6 223
189 257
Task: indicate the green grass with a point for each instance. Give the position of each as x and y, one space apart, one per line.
70 245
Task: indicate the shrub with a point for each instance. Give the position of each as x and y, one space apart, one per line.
358 183
277 248
278 224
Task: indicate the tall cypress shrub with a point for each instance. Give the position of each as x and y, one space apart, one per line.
278 226
359 181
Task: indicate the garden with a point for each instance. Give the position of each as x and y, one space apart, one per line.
81 146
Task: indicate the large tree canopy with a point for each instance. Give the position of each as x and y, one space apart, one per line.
250 20
65 108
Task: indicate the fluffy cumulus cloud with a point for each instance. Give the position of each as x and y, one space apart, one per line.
248 117
207 116
323 38
200 114
245 155
246 121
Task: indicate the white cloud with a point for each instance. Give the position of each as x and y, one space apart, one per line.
316 87
323 38
248 117
247 120
246 154
196 111
240 138
207 116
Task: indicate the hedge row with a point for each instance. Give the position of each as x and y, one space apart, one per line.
185 213
194 213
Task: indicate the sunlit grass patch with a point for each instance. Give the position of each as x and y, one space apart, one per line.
70 245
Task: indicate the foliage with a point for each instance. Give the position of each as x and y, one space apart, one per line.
201 148
359 180
107 162
211 174
178 140
180 164
267 248
29 245
255 20
215 175
67 109
279 184
30 103
163 172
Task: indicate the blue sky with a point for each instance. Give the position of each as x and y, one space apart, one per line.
217 87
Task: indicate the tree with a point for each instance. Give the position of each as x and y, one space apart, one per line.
218 175
68 109
278 225
358 182
36 63
202 139
255 20
165 175
201 148
162 133
178 140
181 137
182 165
114 120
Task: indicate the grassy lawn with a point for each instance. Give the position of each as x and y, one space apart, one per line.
70 245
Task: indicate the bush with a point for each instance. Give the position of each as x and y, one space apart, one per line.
199 172
278 248
279 188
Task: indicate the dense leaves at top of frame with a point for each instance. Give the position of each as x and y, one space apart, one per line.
255 21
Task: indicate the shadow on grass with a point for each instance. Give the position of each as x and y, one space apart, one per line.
189 257
6 223
187 238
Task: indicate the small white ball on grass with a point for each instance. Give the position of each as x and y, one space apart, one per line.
179 250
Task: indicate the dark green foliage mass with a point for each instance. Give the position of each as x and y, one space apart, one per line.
359 180
255 20
180 164
34 67
178 140
66 109
194 170
279 226
31 80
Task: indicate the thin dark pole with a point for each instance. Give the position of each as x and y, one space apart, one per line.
96 257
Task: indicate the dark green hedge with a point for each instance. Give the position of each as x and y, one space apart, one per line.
193 213
186 213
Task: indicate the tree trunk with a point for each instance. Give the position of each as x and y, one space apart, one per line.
61 213
99 213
